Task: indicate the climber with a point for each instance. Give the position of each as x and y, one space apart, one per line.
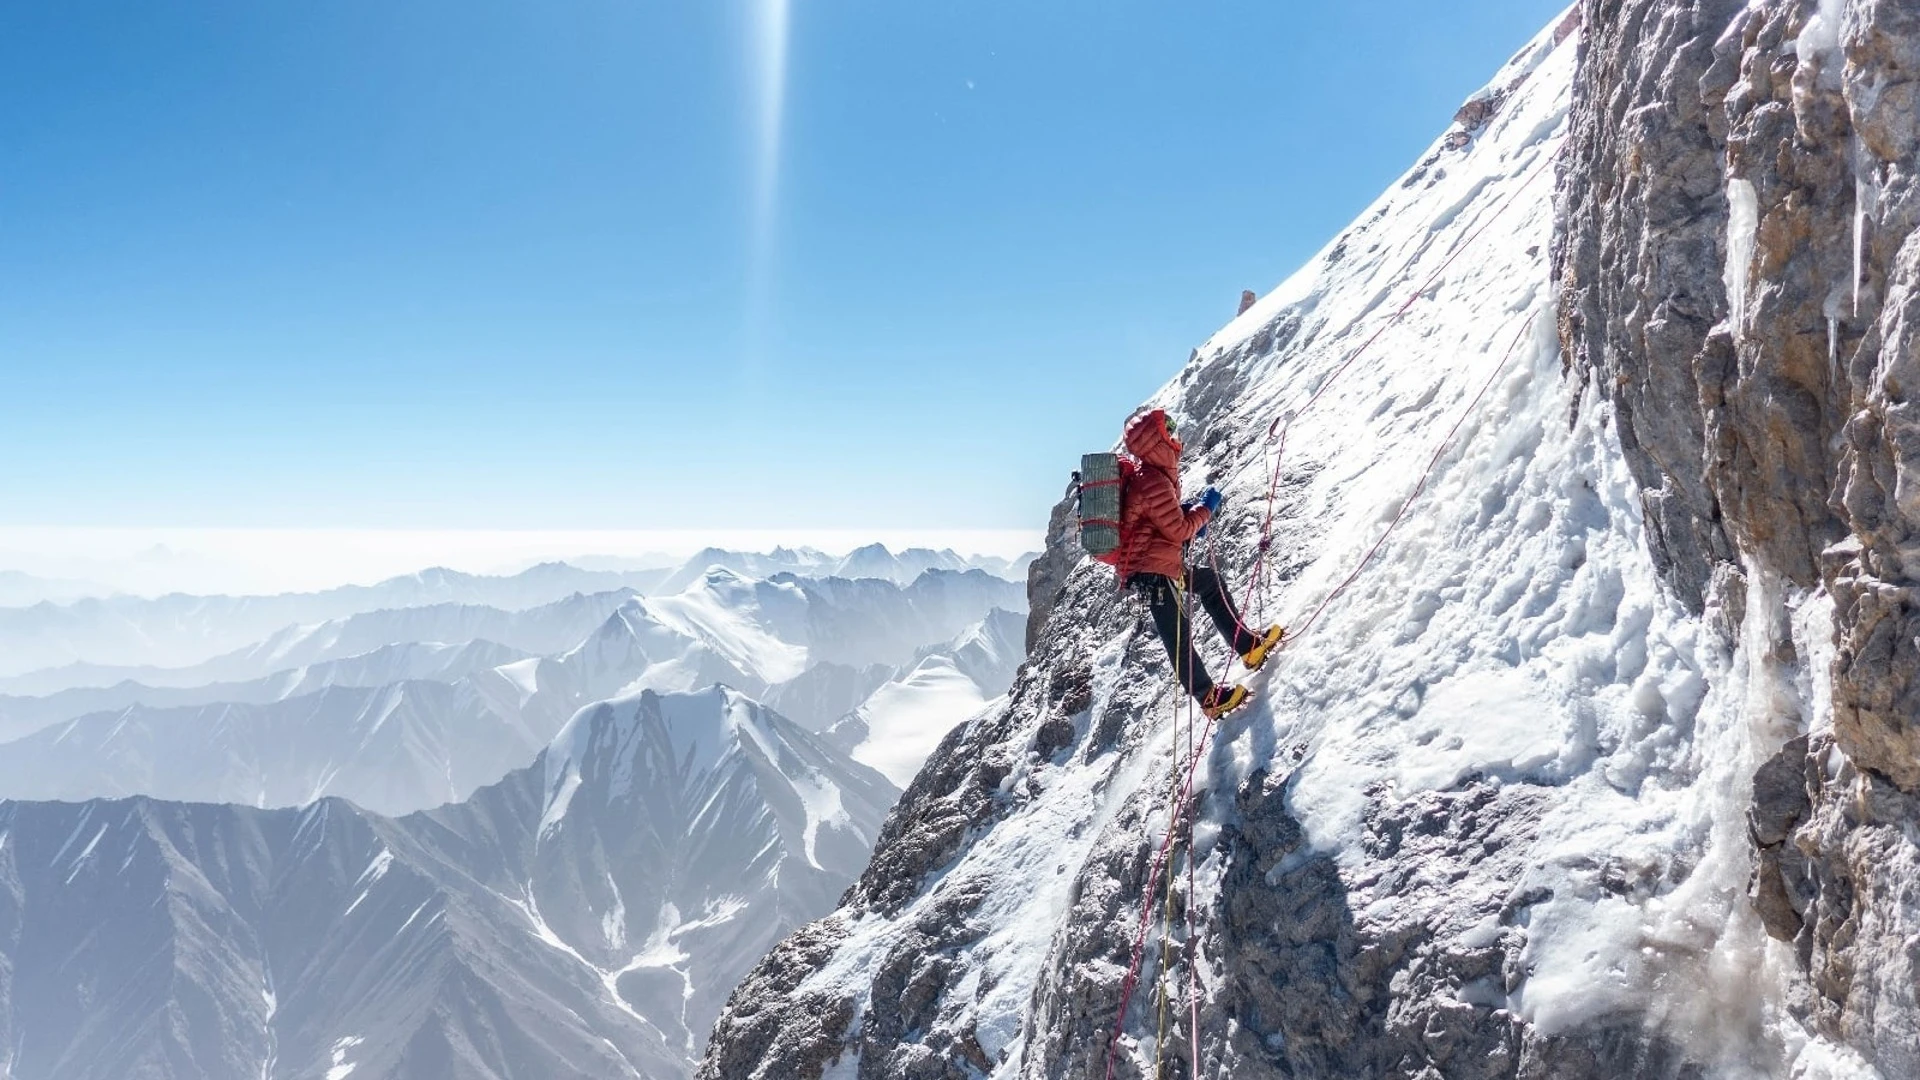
1154 530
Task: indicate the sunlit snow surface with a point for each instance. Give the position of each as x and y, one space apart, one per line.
705 821
730 614
1511 629
908 717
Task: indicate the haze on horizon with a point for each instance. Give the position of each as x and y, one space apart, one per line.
151 562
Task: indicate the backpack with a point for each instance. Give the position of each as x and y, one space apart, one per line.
1098 487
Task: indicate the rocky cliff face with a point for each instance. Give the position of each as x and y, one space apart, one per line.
1739 266
1594 753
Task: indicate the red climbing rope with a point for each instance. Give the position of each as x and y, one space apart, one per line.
1182 807
1277 430
1277 436
1420 485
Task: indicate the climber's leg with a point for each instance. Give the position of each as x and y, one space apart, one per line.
1176 632
1212 594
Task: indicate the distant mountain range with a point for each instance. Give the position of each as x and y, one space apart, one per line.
584 916
871 561
25 590
22 715
323 852
548 628
385 709
180 630
60 630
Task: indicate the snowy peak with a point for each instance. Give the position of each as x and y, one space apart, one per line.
901 721
693 823
629 640
215 737
990 651
804 561
674 751
759 627
901 568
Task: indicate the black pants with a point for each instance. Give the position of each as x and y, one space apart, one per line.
1172 619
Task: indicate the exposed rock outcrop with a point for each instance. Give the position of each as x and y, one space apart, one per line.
1739 265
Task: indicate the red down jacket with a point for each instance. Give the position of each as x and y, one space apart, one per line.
1153 527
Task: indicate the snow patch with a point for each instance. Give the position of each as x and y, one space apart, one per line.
341 1067
80 860
613 921
726 612
1743 222
820 798
524 675
376 869
1495 721
1821 34
907 718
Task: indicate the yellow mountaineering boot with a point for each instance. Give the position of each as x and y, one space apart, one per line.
1222 700
1257 655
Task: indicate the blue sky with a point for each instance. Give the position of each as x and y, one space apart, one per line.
500 265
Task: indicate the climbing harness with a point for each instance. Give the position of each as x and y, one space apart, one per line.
1181 807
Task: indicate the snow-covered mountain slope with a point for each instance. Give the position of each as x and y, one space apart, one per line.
826 692
180 630
1485 817
392 748
632 651
545 629
771 631
900 722
760 627
871 621
989 652
406 727
531 932
21 716
682 835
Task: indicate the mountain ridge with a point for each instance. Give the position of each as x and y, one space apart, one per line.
458 942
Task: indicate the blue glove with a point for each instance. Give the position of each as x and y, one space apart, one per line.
1211 499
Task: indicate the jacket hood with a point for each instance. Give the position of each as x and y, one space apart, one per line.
1147 439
